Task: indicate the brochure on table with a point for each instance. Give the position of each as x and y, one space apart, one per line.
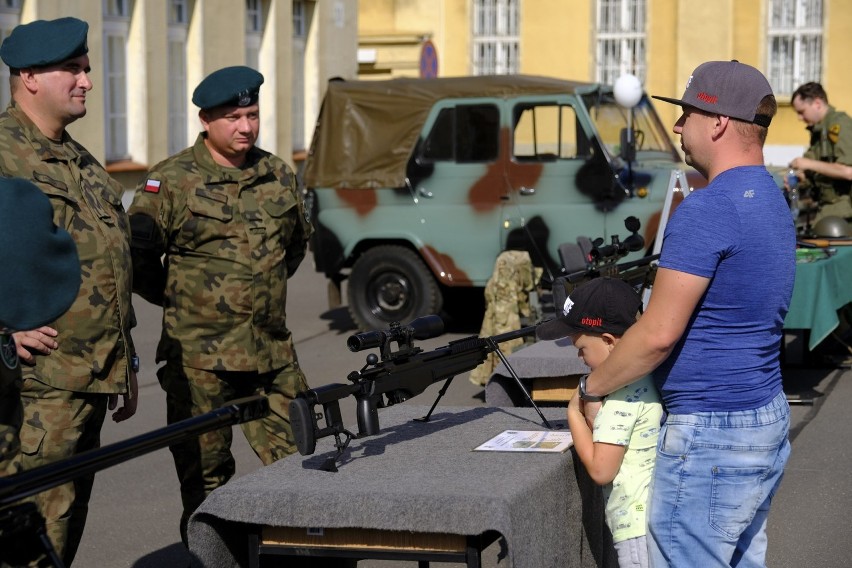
528 441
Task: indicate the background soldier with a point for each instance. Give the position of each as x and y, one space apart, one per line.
75 367
824 168
233 228
40 281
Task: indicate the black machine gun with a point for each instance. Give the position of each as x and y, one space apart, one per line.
22 533
399 376
590 259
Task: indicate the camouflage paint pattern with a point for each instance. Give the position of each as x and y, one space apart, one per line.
11 412
62 393
831 141
507 300
231 238
459 215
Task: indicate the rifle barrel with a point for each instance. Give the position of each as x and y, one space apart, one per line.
36 480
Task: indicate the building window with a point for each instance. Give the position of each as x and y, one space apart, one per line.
300 33
496 37
620 45
116 32
794 32
10 16
178 25
254 32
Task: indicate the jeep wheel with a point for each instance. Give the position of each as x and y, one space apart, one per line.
390 283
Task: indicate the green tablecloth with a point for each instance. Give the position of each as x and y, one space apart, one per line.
822 287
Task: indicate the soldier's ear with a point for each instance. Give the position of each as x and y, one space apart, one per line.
204 117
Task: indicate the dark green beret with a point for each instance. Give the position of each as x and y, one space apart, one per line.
232 86
41 271
45 42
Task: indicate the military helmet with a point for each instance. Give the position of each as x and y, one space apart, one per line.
831 227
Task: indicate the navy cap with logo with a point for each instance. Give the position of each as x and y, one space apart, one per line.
727 88
45 42
41 270
602 305
232 86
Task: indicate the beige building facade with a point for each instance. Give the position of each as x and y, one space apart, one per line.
661 41
147 56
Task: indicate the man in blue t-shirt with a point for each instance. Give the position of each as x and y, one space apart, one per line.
712 331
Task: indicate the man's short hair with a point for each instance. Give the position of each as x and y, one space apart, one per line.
768 106
809 92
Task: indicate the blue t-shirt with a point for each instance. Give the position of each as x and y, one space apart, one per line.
738 232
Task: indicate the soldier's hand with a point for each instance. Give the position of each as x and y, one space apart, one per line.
35 341
130 400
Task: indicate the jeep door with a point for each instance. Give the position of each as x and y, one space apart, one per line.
459 185
561 183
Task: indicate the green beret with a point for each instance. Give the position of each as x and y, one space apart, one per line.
232 86
41 271
45 42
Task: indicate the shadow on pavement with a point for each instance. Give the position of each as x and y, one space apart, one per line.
174 555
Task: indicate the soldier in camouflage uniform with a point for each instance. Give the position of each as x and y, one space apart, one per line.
40 281
824 166
75 367
233 228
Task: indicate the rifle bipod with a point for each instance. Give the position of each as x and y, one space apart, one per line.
496 347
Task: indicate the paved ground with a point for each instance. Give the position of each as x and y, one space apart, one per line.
135 505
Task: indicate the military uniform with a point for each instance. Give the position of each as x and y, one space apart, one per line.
94 335
831 141
231 238
11 413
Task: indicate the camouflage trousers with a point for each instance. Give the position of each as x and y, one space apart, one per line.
11 417
59 424
206 463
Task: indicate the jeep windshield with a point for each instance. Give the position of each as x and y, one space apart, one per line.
610 118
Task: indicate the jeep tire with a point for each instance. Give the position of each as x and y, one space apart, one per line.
390 283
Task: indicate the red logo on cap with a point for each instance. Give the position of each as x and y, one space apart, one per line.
709 99
592 322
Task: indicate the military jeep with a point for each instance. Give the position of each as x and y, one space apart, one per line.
415 186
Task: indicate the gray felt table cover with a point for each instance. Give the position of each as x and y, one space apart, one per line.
421 477
541 359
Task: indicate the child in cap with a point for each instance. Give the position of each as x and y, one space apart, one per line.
619 454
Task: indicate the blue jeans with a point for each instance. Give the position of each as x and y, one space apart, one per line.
715 476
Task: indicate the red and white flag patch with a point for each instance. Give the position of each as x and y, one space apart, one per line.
152 186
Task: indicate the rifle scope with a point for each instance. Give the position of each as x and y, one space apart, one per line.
425 327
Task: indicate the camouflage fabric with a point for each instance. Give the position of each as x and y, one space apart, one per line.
94 334
207 463
231 238
63 392
831 141
507 300
59 424
11 413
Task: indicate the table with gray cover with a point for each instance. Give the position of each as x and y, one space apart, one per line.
421 477
541 359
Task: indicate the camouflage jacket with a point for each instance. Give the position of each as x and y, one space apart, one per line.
231 238
94 334
831 141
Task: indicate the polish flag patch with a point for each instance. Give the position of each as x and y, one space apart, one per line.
152 186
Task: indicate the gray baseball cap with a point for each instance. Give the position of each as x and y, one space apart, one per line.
727 88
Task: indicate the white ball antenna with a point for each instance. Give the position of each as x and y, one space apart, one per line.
628 90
